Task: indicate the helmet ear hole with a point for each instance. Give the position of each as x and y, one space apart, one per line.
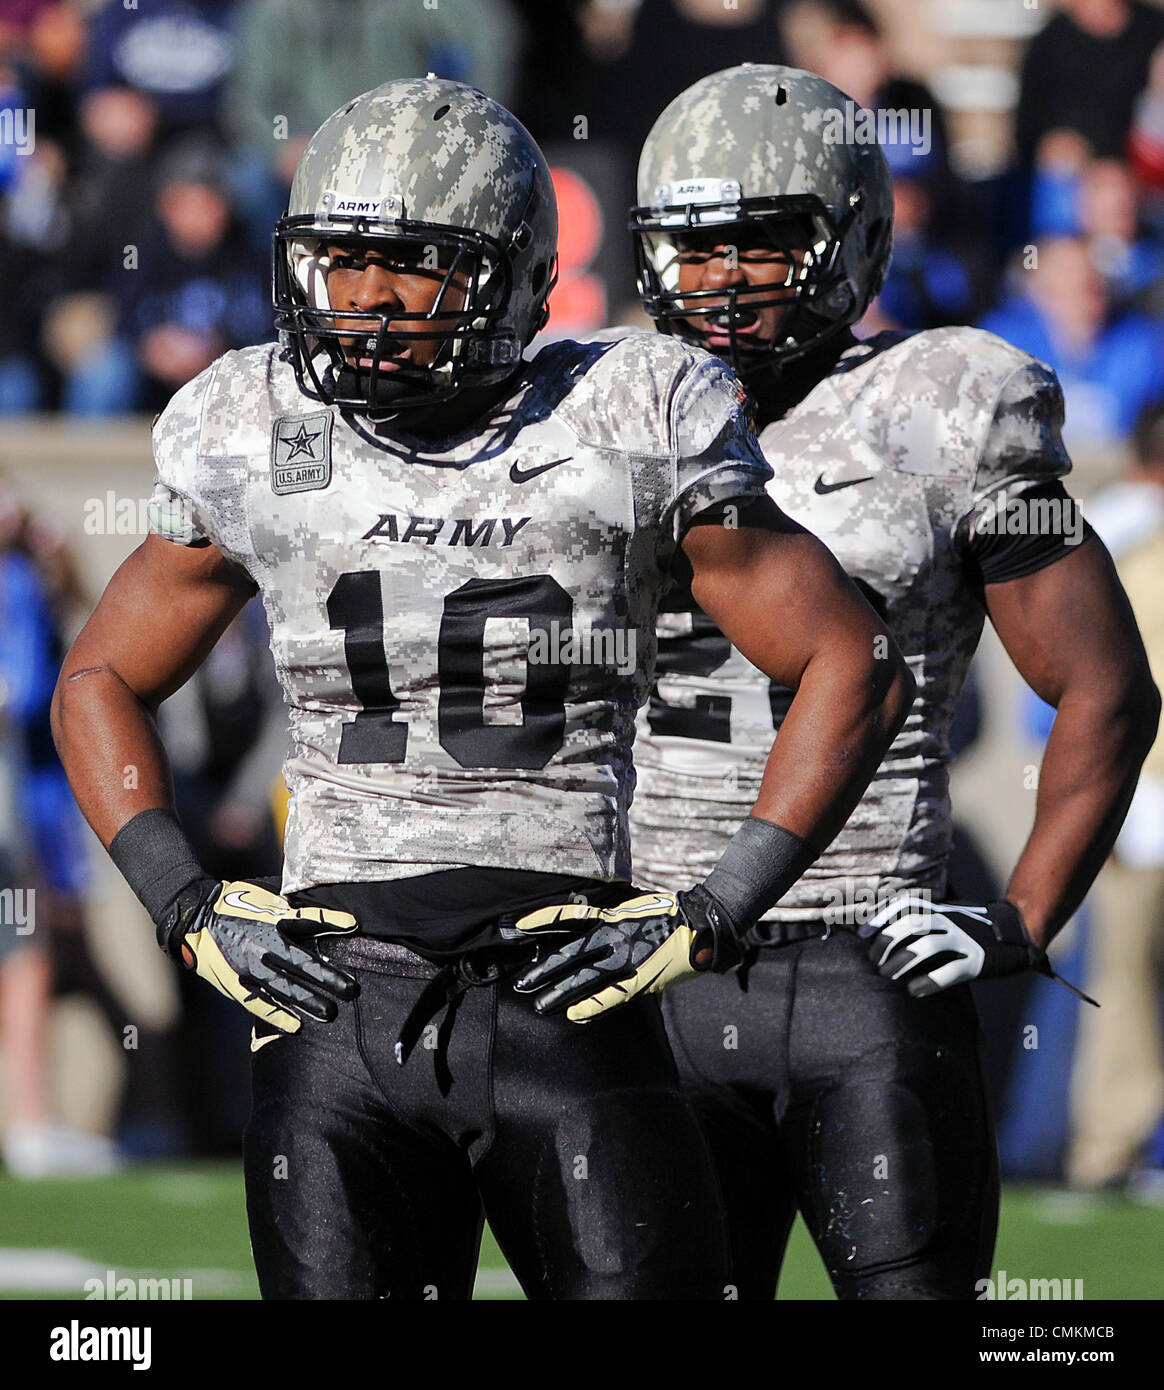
538 277
781 95
874 236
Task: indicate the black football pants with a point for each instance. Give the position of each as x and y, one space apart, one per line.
369 1179
827 1088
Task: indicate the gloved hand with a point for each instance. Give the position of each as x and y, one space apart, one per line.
611 954
931 946
255 948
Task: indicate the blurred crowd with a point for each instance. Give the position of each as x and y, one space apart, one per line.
146 148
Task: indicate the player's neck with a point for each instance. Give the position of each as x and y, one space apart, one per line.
776 390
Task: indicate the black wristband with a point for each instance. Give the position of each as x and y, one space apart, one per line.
156 859
755 871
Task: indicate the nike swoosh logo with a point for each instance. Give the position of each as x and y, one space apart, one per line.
517 474
821 487
238 899
645 906
257 1042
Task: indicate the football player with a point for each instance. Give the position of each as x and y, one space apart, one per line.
460 553
839 1073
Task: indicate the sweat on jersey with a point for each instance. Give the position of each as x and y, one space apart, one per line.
463 631
910 461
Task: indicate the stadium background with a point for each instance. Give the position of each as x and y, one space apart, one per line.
133 246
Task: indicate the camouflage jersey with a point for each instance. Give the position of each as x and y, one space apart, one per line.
464 630
892 460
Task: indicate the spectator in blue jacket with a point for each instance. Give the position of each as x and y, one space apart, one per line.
1111 364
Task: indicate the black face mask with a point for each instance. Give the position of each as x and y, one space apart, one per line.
475 348
817 315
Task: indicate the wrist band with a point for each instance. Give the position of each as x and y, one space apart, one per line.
155 858
755 871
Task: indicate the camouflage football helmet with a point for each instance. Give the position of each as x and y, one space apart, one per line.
433 175
758 154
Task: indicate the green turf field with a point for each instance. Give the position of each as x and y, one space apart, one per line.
187 1221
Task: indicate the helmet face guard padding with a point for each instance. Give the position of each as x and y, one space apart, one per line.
747 149
811 295
436 176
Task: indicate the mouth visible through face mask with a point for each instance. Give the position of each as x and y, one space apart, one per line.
716 329
393 356
743 319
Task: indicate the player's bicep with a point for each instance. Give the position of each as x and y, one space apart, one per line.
159 617
1069 626
776 592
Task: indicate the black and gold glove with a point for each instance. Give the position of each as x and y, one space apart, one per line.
648 943
250 943
643 946
255 948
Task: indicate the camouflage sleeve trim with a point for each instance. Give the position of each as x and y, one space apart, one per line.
1023 450
176 435
727 493
171 516
711 415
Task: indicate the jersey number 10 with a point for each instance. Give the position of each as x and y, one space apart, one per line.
376 735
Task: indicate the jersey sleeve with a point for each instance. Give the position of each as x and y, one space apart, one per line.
717 458
1023 447
1018 516
174 511
199 495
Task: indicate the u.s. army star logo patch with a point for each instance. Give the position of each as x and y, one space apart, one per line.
301 452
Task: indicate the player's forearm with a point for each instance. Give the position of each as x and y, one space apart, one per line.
840 725
1089 772
109 745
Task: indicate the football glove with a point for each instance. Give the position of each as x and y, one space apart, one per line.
255 948
932 946
643 946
